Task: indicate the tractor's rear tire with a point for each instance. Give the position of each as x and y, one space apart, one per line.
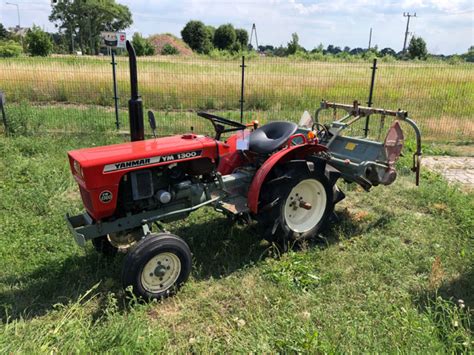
295 207
103 246
157 266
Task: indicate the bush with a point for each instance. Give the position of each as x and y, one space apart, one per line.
225 37
168 49
10 49
142 46
38 42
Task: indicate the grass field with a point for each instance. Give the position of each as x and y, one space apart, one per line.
387 277
66 118
440 96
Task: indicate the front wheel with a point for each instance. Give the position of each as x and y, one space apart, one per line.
157 266
302 205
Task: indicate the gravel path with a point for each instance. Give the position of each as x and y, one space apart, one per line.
454 169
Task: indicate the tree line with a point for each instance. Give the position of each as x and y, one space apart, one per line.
204 39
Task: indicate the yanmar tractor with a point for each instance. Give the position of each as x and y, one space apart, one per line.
281 174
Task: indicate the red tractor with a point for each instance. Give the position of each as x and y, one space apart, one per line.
281 174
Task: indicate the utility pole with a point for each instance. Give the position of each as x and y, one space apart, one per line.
370 38
407 15
254 29
18 13
17 10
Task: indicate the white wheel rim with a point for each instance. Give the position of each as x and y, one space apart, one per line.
311 194
160 272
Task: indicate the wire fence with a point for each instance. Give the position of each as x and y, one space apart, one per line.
75 94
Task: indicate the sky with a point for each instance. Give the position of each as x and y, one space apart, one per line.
446 25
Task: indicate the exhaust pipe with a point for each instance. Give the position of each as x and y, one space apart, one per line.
135 104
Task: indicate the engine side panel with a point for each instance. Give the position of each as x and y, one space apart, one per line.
99 170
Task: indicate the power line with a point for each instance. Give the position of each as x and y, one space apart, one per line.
407 15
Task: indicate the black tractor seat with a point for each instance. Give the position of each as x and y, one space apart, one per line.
271 136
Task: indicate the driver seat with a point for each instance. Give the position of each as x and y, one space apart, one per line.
270 137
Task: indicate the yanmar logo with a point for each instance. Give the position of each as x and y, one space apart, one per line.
132 164
149 161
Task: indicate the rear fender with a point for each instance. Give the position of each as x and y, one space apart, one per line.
299 152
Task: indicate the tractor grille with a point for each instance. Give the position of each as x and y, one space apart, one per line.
142 184
86 198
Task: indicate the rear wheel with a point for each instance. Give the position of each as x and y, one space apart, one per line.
296 207
157 266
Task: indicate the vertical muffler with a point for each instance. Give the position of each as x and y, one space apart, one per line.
135 104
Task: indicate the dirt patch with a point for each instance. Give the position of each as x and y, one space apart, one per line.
159 41
454 169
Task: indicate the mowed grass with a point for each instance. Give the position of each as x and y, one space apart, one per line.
441 95
389 276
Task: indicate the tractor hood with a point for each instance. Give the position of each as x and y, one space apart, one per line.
91 165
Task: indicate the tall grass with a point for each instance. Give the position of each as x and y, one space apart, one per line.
439 95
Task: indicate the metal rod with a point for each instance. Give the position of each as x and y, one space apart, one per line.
362 110
371 92
185 210
242 90
116 99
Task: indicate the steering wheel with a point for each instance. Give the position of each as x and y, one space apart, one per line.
321 133
220 122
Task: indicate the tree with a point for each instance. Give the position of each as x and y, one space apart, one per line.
85 20
388 51
197 36
242 37
3 33
38 42
168 49
225 37
211 30
293 45
417 48
142 45
60 43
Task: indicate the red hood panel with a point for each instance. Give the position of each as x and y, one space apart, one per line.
130 151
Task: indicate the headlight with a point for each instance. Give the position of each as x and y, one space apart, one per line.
77 168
